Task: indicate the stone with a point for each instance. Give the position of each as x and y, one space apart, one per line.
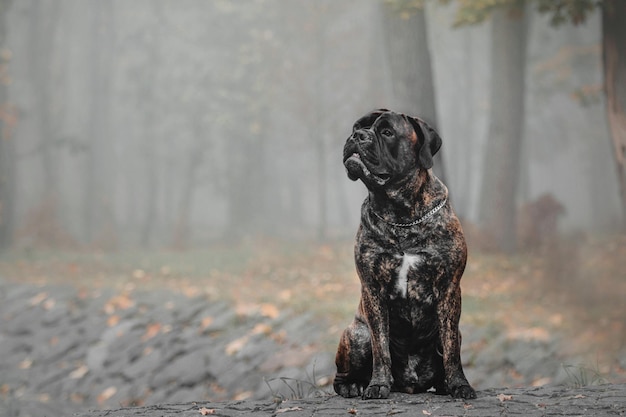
186 370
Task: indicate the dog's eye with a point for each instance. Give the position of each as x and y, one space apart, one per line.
387 133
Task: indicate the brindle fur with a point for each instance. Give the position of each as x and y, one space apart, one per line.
402 342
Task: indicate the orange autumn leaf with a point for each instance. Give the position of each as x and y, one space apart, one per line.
504 397
106 394
113 320
152 330
236 345
206 322
262 328
38 299
240 396
79 372
118 302
269 310
206 411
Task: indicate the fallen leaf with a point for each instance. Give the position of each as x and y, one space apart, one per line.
206 411
25 364
118 302
79 372
243 395
270 310
106 394
427 413
113 320
152 330
504 397
284 410
206 322
579 396
541 382
352 410
236 345
191 291
262 328
37 299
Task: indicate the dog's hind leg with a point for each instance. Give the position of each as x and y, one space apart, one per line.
353 360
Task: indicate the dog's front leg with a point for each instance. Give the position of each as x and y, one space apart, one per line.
449 314
374 309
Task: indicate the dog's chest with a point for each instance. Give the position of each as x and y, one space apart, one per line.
401 284
405 282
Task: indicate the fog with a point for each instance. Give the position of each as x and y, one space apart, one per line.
176 223
160 124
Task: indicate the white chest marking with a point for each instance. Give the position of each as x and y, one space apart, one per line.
408 261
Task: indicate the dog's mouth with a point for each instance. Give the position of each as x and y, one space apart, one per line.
356 169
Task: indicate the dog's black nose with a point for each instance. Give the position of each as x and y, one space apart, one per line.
359 136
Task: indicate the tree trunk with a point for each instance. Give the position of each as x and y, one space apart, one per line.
318 136
614 57
98 194
43 63
8 120
151 137
181 228
501 175
190 181
406 49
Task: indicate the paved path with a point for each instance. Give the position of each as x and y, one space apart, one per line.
602 400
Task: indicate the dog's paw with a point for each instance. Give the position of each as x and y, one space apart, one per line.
376 392
348 390
463 391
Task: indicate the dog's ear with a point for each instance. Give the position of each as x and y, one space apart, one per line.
368 120
429 141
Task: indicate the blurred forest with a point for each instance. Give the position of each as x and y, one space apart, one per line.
179 165
175 124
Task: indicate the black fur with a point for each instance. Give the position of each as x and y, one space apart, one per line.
405 335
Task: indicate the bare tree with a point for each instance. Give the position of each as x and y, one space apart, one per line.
195 158
8 120
147 94
408 56
614 57
43 69
98 193
506 120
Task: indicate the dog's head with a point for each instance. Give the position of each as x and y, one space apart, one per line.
386 147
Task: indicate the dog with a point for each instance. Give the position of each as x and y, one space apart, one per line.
410 254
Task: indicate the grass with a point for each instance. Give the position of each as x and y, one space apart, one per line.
582 376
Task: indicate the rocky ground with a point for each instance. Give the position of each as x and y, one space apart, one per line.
597 401
64 351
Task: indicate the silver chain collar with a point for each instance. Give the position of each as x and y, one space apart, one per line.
422 219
